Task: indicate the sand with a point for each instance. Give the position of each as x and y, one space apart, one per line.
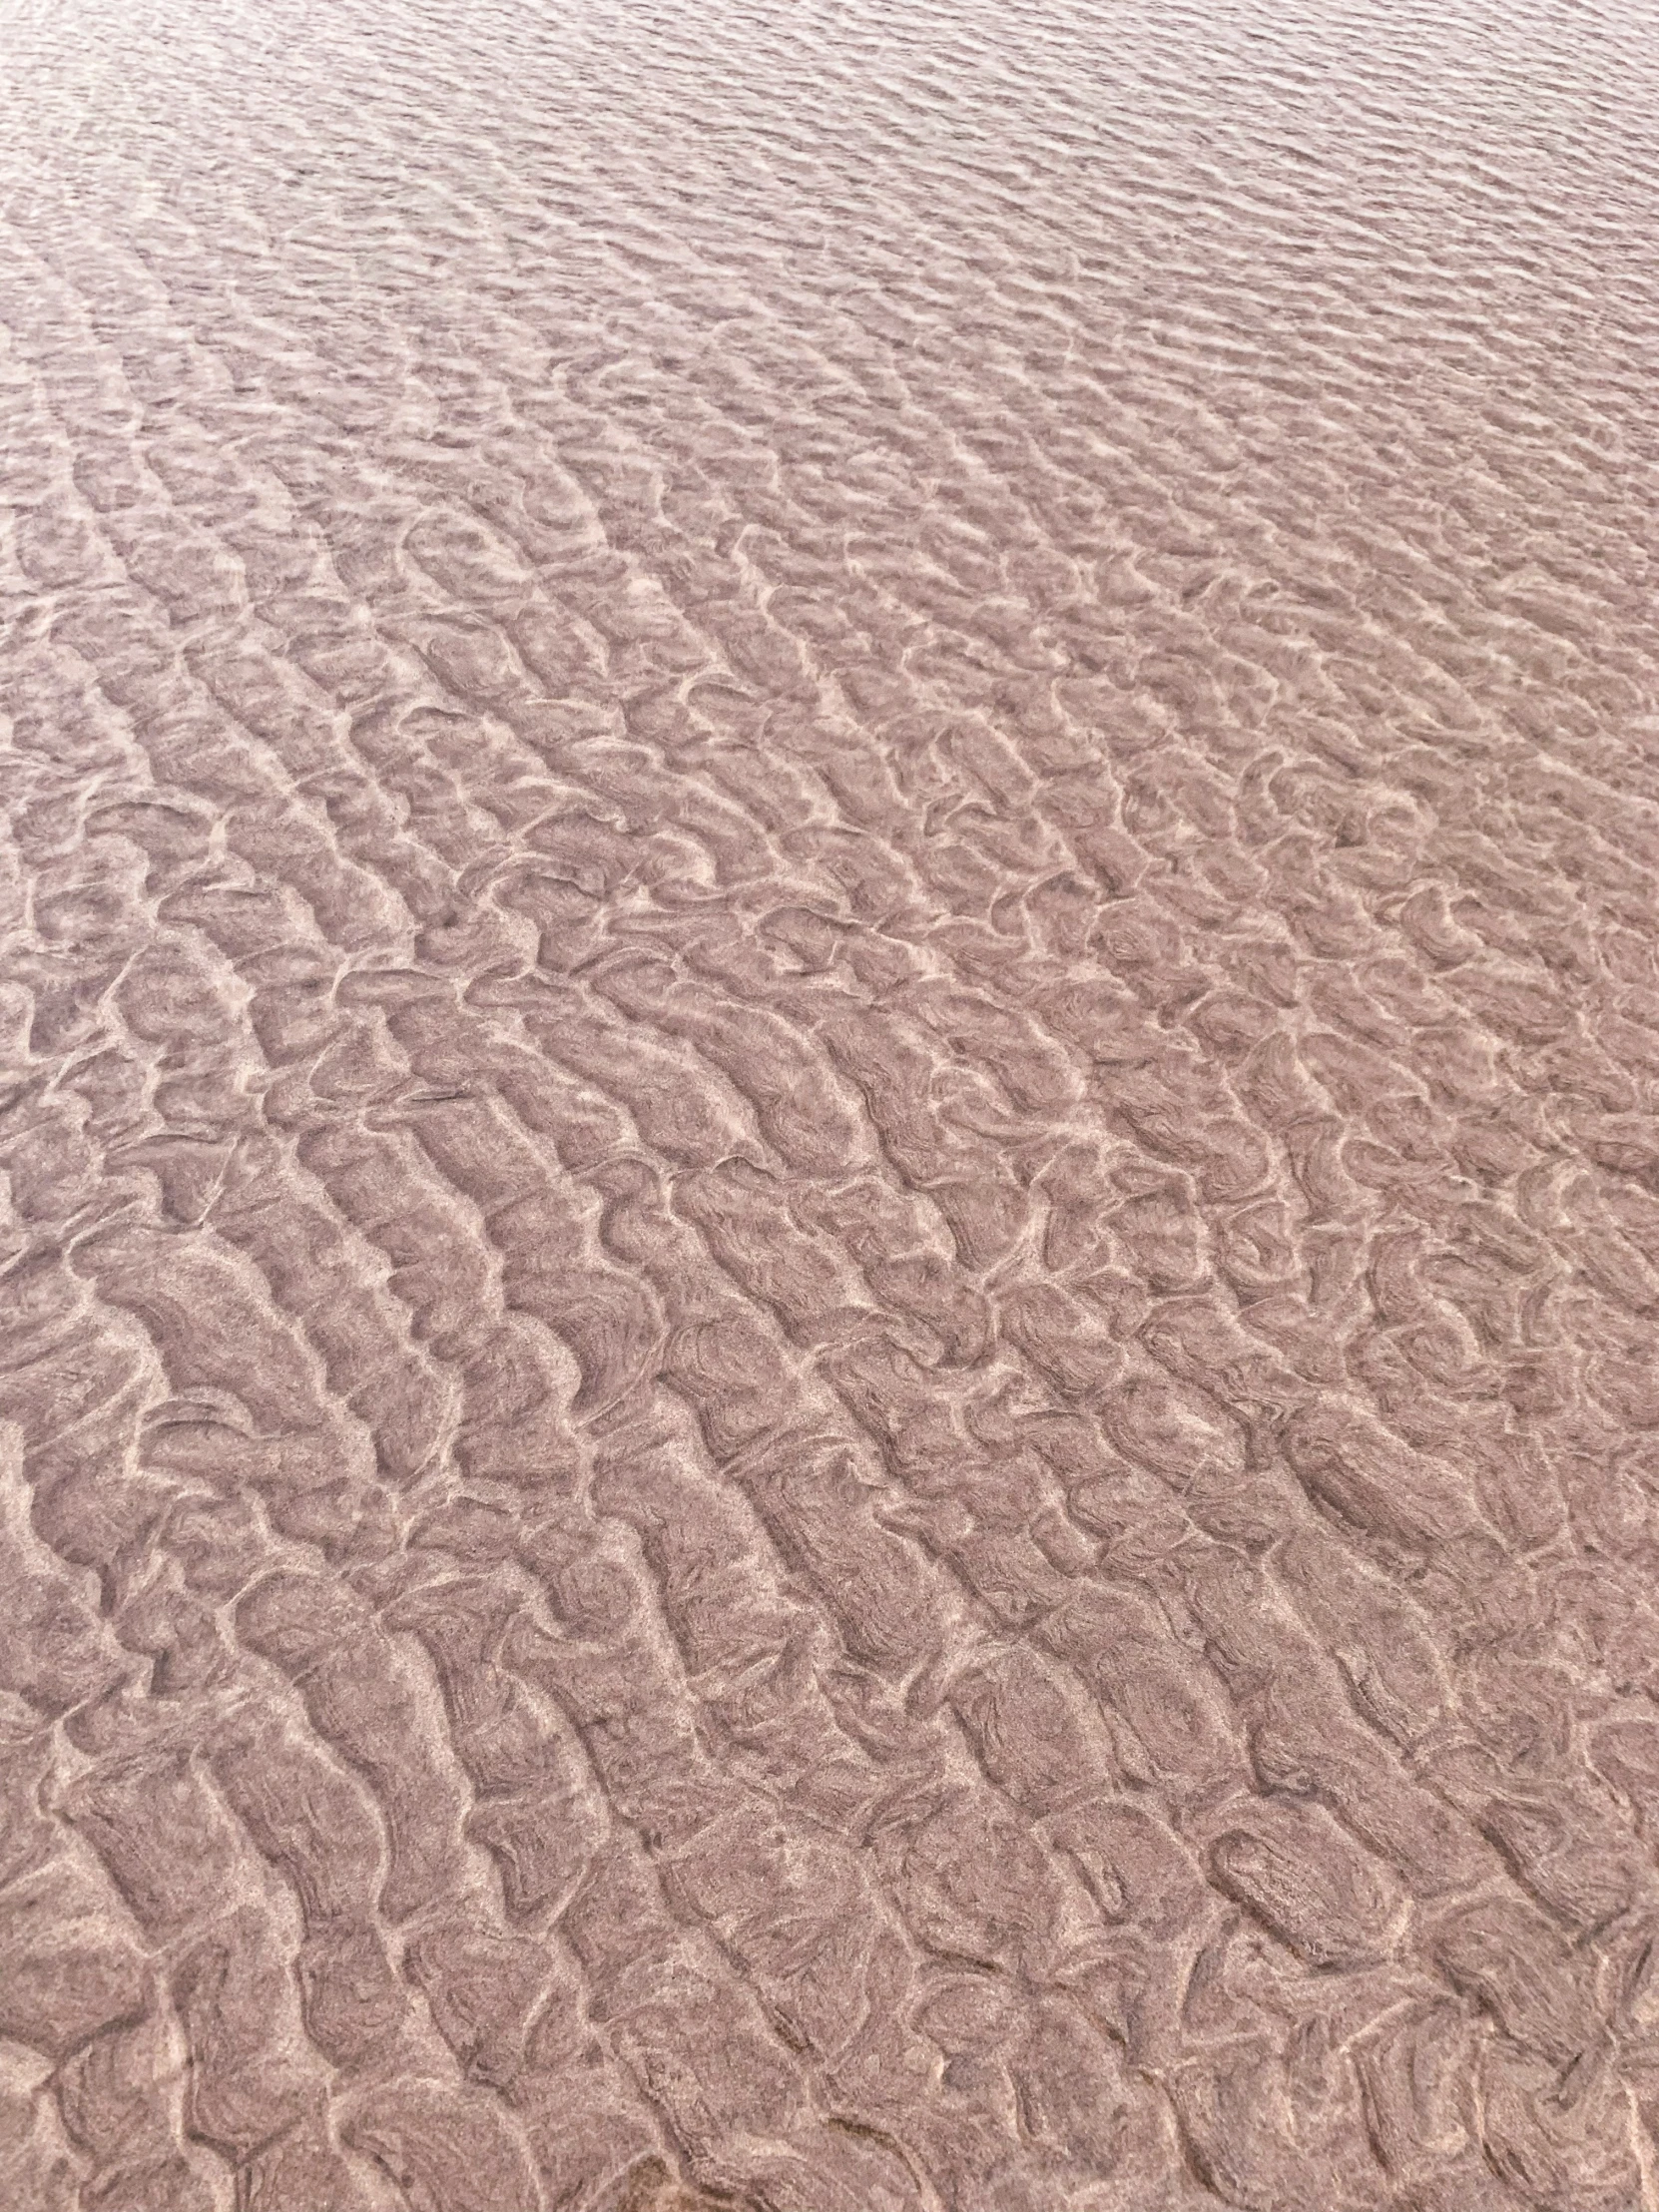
830 1376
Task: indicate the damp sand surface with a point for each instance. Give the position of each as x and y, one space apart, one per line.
830 1376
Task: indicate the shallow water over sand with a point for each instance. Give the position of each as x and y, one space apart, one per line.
831 1016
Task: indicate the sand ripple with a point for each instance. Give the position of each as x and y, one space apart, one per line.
831 1036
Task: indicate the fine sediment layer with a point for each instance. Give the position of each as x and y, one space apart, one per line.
828 1369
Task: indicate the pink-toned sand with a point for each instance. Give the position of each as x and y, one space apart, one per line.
829 1371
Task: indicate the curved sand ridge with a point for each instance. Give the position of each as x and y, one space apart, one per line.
830 1364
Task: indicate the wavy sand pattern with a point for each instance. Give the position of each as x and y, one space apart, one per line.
831 868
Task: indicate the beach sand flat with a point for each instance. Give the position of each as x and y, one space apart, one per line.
829 1298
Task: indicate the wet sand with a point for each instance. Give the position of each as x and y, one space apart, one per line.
830 1376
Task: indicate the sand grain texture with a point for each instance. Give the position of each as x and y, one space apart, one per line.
830 1027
